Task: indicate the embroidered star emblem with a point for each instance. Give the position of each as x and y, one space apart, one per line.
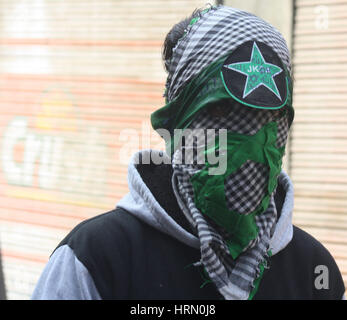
258 72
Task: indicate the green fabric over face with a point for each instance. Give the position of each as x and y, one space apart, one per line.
209 193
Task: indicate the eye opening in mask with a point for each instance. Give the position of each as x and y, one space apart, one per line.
222 108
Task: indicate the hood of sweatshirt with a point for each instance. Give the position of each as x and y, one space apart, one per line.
152 199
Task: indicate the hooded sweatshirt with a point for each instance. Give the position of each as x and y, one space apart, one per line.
146 249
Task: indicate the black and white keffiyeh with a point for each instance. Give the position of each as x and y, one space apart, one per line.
219 30
244 190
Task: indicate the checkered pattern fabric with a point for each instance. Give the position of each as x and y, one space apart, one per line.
245 187
217 32
244 190
201 45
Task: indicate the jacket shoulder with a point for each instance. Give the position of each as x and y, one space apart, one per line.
100 233
303 270
103 244
327 279
305 244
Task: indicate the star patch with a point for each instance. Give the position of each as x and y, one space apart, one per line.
253 74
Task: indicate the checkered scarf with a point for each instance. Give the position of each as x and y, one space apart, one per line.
218 31
244 190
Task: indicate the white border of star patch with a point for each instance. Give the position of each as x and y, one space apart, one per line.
256 68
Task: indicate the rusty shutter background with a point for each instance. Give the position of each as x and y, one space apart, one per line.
78 81
318 158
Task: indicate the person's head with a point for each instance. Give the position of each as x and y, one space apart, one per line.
222 60
227 70
176 33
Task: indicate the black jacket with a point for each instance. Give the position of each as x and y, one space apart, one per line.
127 258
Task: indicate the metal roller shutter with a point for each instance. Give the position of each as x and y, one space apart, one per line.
73 76
319 135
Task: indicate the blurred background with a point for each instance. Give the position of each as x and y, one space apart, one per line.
78 82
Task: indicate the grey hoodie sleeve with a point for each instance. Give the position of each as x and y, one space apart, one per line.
65 278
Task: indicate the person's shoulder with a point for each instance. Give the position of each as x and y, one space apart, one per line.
307 247
102 232
308 244
96 252
311 252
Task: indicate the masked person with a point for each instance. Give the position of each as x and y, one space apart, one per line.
210 224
